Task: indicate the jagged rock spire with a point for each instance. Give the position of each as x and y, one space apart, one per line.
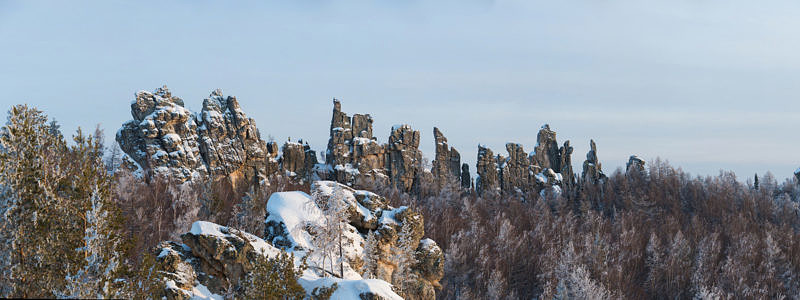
592 169
487 179
447 162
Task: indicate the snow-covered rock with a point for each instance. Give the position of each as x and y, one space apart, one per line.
165 138
214 258
293 215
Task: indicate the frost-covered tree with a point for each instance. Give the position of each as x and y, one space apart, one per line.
403 252
58 221
101 222
31 212
329 235
371 253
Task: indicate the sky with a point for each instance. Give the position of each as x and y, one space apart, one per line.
707 85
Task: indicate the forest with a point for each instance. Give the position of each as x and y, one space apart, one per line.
75 224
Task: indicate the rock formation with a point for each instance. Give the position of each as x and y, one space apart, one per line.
466 180
797 174
230 142
592 169
523 173
546 155
517 172
446 165
298 160
162 137
214 260
404 158
165 138
367 214
352 150
635 164
487 179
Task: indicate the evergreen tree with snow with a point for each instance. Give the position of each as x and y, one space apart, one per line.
58 221
404 255
371 253
273 278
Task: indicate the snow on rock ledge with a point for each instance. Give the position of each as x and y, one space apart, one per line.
292 215
214 257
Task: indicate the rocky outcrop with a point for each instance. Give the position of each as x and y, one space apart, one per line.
568 175
521 173
446 165
546 155
212 256
230 142
517 172
635 164
162 137
487 179
214 260
298 160
291 215
165 138
797 174
592 169
404 158
352 150
466 180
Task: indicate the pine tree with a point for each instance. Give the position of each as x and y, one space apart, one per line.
101 222
31 212
58 221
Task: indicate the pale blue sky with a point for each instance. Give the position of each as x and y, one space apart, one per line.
708 85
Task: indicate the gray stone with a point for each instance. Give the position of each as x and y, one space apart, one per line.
635 164
165 138
446 166
592 169
466 180
487 171
404 158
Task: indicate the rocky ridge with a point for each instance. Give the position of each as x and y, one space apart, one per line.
221 142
